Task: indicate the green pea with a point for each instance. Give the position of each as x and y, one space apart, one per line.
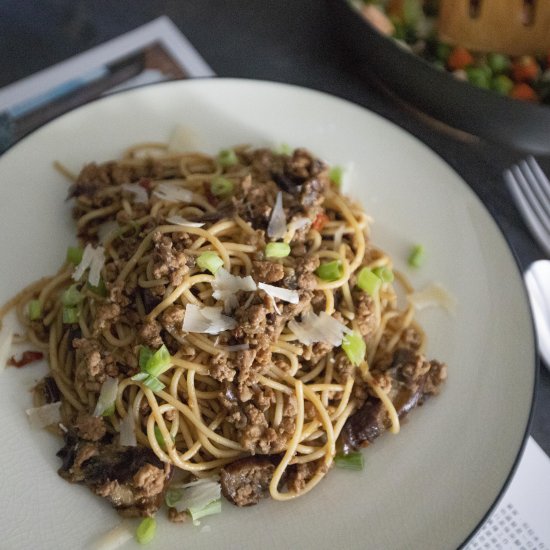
498 62
502 84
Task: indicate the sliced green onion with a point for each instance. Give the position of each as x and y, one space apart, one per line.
227 157
210 261
35 310
109 411
214 507
70 315
145 354
384 273
153 383
159 437
417 256
146 530
335 174
277 250
368 281
100 289
350 461
72 296
173 496
140 376
354 346
330 271
221 187
74 254
158 362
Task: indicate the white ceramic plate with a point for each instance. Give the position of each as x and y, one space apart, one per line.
428 487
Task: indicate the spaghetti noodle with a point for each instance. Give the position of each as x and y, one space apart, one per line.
221 303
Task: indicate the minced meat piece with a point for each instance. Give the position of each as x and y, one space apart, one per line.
91 428
268 272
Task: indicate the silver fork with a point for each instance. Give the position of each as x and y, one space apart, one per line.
530 189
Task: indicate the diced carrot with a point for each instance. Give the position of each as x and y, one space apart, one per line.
320 221
524 91
459 58
525 69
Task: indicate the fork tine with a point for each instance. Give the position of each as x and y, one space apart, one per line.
541 177
534 192
516 184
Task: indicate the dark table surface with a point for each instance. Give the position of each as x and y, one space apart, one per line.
279 40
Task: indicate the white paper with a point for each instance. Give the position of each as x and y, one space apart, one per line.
521 521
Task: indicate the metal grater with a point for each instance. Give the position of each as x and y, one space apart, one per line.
514 27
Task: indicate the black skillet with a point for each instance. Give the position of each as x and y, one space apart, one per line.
486 114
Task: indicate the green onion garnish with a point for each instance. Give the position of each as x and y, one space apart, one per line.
158 362
74 254
70 315
72 296
417 256
277 250
350 461
146 530
384 273
158 436
100 289
354 346
145 354
221 187
335 174
330 271
153 383
173 496
210 261
368 281
227 157
140 376
214 507
109 411
35 310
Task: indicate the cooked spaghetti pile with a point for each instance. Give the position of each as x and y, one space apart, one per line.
226 317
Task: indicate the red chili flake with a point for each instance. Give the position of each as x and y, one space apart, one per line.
320 221
26 358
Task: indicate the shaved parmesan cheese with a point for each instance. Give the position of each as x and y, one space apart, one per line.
226 287
338 236
116 537
277 223
173 193
206 320
105 230
140 193
6 338
298 223
318 328
291 296
179 220
433 295
93 258
127 431
40 417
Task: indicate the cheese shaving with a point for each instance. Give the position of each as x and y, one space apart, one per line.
179 220
318 328
276 228
127 431
291 296
40 417
93 258
206 320
173 193
226 287
139 192
433 295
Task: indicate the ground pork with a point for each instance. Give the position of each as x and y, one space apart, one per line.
91 428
